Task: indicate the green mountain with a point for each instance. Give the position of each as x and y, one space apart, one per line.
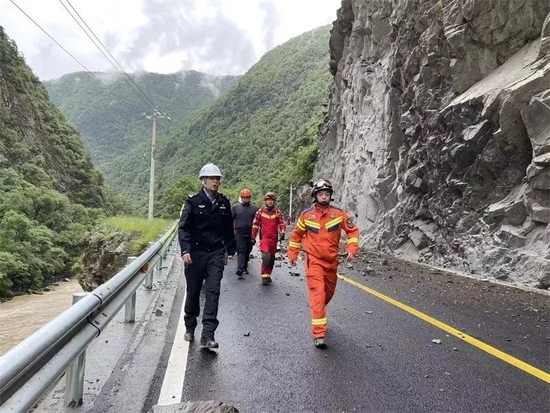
262 132
109 115
50 193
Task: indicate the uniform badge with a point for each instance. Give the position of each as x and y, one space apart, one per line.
349 223
201 206
332 215
312 216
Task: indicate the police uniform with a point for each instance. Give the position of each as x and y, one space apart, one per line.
205 232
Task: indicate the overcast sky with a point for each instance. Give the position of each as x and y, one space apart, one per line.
214 36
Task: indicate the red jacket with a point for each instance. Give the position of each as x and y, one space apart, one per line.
269 222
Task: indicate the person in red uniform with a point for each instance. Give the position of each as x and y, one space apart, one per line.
317 232
268 221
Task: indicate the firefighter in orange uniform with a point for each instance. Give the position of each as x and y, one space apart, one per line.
320 227
269 223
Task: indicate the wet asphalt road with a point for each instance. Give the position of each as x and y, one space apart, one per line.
379 357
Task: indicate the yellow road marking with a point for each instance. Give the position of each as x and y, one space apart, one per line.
469 339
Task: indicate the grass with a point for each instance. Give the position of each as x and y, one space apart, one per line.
148 230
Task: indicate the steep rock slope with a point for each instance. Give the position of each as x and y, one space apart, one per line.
35 139
50 193
438 133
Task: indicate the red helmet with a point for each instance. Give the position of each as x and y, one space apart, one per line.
270 195
245 193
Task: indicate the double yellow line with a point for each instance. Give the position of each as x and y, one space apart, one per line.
469 339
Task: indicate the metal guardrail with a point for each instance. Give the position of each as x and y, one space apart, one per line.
29 369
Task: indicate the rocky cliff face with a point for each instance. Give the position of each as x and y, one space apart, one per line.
437 135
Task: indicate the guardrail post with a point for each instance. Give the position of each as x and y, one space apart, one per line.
149 277
74 376
130 307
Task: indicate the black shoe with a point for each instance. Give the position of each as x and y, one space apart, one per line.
319 342
209 343
239 273
245 272
265 281
269 280
189 336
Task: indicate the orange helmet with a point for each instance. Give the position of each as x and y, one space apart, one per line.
270 195
245 193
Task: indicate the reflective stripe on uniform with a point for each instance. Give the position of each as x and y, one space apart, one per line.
293 244
334 223
318 321
269 216
301 225
353 240
313 224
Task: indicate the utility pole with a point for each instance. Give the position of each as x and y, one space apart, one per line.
156 115
290 203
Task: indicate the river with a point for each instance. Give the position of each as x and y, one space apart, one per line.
23 315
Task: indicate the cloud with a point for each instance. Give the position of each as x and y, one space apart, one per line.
200 35
271 23
221 37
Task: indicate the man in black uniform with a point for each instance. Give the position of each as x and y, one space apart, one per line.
243 214
205 235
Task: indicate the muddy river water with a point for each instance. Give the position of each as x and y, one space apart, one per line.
23 315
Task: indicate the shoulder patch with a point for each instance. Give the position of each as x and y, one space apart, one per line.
193 194
349 222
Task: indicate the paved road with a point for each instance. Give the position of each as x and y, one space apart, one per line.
380 357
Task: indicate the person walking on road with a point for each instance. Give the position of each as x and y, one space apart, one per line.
205 235
269 223
320 227
243 216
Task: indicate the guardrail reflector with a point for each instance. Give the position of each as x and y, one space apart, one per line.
145 267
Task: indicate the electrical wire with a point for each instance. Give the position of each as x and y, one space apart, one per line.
119 69
57 43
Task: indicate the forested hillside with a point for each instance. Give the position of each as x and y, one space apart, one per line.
262 132
50 193
109 115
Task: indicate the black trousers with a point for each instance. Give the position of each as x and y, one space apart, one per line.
207 269
244 248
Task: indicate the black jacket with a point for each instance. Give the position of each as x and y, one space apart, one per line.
205 226
243 214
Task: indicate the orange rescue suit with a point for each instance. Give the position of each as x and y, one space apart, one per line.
320 230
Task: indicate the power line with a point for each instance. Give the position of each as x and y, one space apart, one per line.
107 50
120 71
57 43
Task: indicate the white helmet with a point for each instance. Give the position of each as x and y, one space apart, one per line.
209 170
